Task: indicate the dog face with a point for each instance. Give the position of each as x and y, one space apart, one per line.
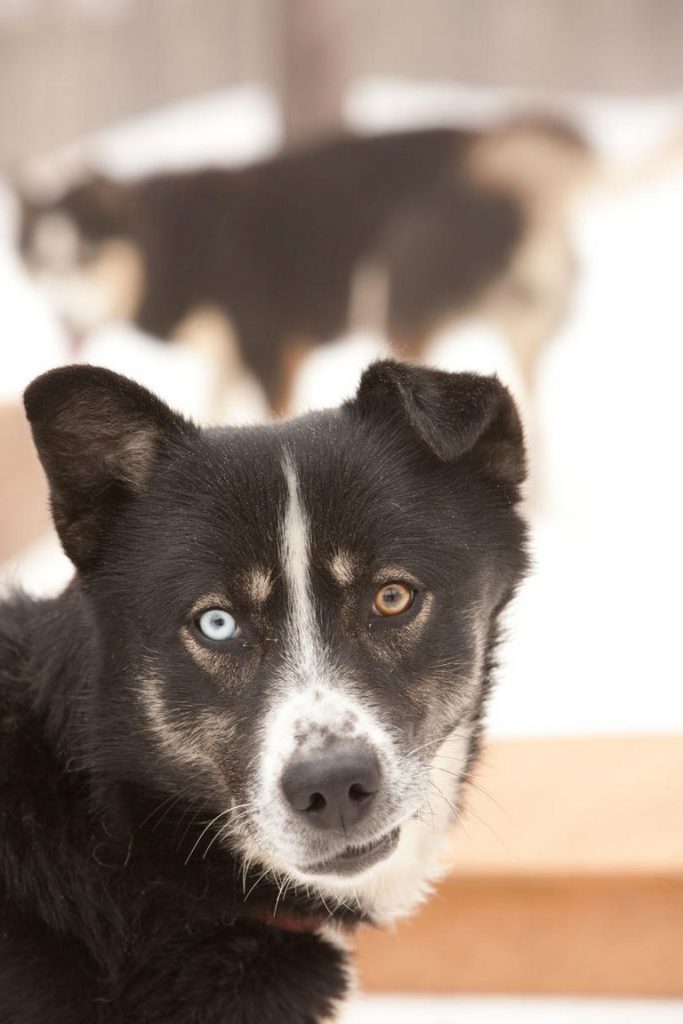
82 253
293 622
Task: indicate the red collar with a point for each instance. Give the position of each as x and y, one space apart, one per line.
288 920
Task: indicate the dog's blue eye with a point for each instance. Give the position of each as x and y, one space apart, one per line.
217 624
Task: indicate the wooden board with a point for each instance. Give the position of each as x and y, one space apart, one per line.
563 935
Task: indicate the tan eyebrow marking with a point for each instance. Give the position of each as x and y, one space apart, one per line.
214 600
395 574
259 585
342 567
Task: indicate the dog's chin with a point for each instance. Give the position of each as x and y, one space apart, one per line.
354 859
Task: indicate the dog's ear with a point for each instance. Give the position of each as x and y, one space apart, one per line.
98 436
453 414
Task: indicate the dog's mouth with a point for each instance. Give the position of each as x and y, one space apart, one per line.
354 859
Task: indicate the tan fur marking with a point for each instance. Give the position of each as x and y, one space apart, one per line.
212 600
292 359
208 330
119 272
393 574
260 585
210 661
55 241
533 162
544 171
185 745
531 301
342 568
369 300
211 334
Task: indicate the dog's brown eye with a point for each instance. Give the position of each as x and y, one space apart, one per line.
393 599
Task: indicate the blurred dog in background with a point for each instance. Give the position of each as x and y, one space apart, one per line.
398 233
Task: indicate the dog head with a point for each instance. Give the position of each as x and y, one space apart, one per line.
82 252
291 625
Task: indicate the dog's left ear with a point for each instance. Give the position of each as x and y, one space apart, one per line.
453 414
99 437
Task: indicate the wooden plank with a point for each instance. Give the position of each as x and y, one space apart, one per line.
617 936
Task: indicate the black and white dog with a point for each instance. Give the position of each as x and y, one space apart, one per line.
246 724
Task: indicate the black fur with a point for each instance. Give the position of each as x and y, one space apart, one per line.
113 907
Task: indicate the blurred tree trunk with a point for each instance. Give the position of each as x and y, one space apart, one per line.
313 66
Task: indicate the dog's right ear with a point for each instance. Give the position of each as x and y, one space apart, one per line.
99 436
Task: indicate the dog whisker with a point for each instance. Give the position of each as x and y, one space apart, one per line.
281 890
228 810
260 878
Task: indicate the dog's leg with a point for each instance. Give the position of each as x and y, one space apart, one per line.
293 355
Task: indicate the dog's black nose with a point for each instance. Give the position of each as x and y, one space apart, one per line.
335 787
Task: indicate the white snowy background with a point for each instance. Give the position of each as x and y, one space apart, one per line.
595 636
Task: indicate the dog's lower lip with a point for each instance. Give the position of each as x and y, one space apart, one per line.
356 858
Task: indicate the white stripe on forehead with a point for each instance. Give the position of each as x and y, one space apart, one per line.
303 639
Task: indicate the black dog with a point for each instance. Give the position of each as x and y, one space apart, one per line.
396 232
246 724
